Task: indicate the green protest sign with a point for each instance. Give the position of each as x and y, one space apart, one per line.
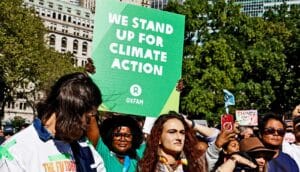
137 52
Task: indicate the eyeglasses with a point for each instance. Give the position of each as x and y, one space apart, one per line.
126 136
272 131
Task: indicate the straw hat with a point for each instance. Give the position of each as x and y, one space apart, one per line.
254 147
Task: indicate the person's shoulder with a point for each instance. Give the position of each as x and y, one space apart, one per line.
284 157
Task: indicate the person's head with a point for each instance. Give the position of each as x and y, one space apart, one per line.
296 111
70 101
272 130
296 125
122 134
171 135
246 132
255 148
231 147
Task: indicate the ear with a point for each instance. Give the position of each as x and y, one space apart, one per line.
50 123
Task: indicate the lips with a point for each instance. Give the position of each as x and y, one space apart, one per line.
178 143
122 145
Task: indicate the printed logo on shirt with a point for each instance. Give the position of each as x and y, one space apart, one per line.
60 166
60 163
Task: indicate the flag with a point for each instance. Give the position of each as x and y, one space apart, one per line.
228 99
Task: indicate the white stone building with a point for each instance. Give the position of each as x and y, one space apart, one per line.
70 29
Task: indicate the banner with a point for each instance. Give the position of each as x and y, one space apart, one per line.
137 52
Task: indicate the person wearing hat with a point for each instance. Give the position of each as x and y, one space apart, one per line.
118 140
254 148
293 149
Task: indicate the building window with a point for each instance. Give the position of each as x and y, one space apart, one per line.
87 14
84 48
48 14
64 18
59 16
54 15
78 12
68 9
75 61
69 19
75 46
50 4
11 105
83 63
41 2
64 42
59 7
52 40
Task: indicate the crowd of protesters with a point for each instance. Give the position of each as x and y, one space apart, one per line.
68 135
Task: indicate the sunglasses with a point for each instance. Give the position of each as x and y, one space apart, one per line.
269 131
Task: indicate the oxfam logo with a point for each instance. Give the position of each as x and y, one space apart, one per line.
135 90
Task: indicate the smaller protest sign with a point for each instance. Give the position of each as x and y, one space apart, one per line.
247 117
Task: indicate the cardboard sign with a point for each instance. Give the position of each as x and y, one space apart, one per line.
137 52
247 117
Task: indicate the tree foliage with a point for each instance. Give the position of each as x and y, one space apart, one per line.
24 57
225 49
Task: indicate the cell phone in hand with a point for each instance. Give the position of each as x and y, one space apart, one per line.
227 122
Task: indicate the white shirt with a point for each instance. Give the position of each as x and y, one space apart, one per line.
293 150
26 152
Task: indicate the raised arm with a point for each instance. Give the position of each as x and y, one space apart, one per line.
93 132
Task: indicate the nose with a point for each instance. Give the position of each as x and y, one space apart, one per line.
179 136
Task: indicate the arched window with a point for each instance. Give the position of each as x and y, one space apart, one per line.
52 40
75 46
84 48
63 44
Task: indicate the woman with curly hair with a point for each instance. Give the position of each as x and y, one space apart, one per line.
171 147
118 141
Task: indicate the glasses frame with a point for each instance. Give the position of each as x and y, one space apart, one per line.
126 136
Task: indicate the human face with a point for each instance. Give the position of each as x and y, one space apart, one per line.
297 132
276 138
261 163
172 137
233 146
122 139
248 133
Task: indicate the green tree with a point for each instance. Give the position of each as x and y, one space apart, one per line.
24 57
17 122
232 51
289 90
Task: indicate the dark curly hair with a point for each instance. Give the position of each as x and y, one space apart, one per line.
110 124
150 158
